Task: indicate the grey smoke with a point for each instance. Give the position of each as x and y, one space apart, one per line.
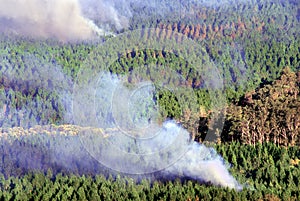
107 12
129 139
35 74
71 20
204 164
61 19
65 20
45 19
136 144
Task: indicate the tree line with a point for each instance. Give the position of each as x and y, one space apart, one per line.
267 171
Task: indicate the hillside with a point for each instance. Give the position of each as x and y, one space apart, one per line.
181 100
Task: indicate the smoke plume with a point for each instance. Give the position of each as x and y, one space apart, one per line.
60 19
69 20
204 165
113 12
133 142
126 140
34 93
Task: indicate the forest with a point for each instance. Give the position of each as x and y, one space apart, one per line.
243 101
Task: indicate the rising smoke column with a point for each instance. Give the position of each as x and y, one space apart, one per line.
69 20
126 109
60 19
135 144
114 13
204 164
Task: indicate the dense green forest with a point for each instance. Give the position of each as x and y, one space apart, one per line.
255 47
269 172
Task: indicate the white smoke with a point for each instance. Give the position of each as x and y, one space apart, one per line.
107 13
69 20
133 142
205 165
60 19
36 75
130 140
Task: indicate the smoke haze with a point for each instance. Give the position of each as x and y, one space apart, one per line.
61 19
35 18
36 75
204 165
140 149
133 142
106 12
69 20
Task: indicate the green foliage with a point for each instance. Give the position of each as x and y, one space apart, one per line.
267 172
269 114
251 44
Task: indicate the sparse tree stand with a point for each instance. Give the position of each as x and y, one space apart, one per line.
269 114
